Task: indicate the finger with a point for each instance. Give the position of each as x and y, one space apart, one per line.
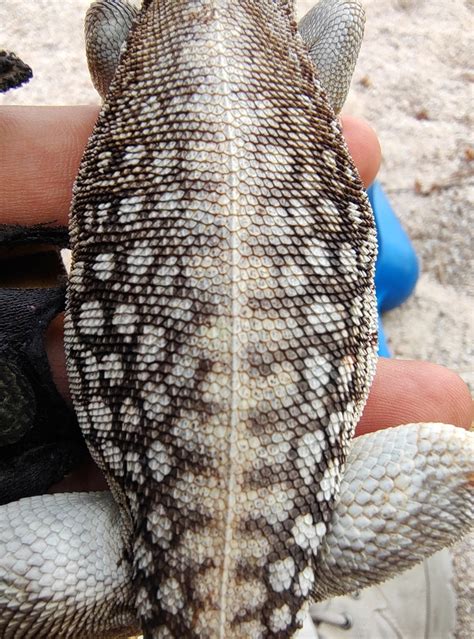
41 148
363 146
402 392
40 152
406 391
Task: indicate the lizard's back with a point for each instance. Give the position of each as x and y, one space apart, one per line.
220 316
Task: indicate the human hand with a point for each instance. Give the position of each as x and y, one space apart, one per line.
40 152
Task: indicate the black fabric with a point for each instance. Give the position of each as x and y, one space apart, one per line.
40 441
14 235
13 71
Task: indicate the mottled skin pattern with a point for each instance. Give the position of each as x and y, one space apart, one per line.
221 337
221 328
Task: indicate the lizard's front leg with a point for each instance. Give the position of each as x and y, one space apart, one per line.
333 30
107 25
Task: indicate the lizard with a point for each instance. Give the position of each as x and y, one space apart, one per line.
221 343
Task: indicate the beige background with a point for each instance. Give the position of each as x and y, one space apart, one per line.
413 83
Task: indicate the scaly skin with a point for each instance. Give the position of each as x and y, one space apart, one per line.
406 492
221 342
221 303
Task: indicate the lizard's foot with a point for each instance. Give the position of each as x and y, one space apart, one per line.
108 23
406 493
333 30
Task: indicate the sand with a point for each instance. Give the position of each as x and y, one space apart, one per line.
413 83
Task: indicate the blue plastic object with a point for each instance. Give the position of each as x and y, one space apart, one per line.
397 268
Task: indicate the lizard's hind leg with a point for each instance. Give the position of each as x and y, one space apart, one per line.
406 492
333 30
107 25
64 571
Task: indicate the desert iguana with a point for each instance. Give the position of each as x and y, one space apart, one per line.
221 343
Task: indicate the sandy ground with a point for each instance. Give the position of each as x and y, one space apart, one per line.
413 83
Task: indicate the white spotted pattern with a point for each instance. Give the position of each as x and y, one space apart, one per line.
281 574
103 266
220 238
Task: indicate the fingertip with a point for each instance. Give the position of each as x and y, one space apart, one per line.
441 395
457 400
412 392
364 147
40 152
